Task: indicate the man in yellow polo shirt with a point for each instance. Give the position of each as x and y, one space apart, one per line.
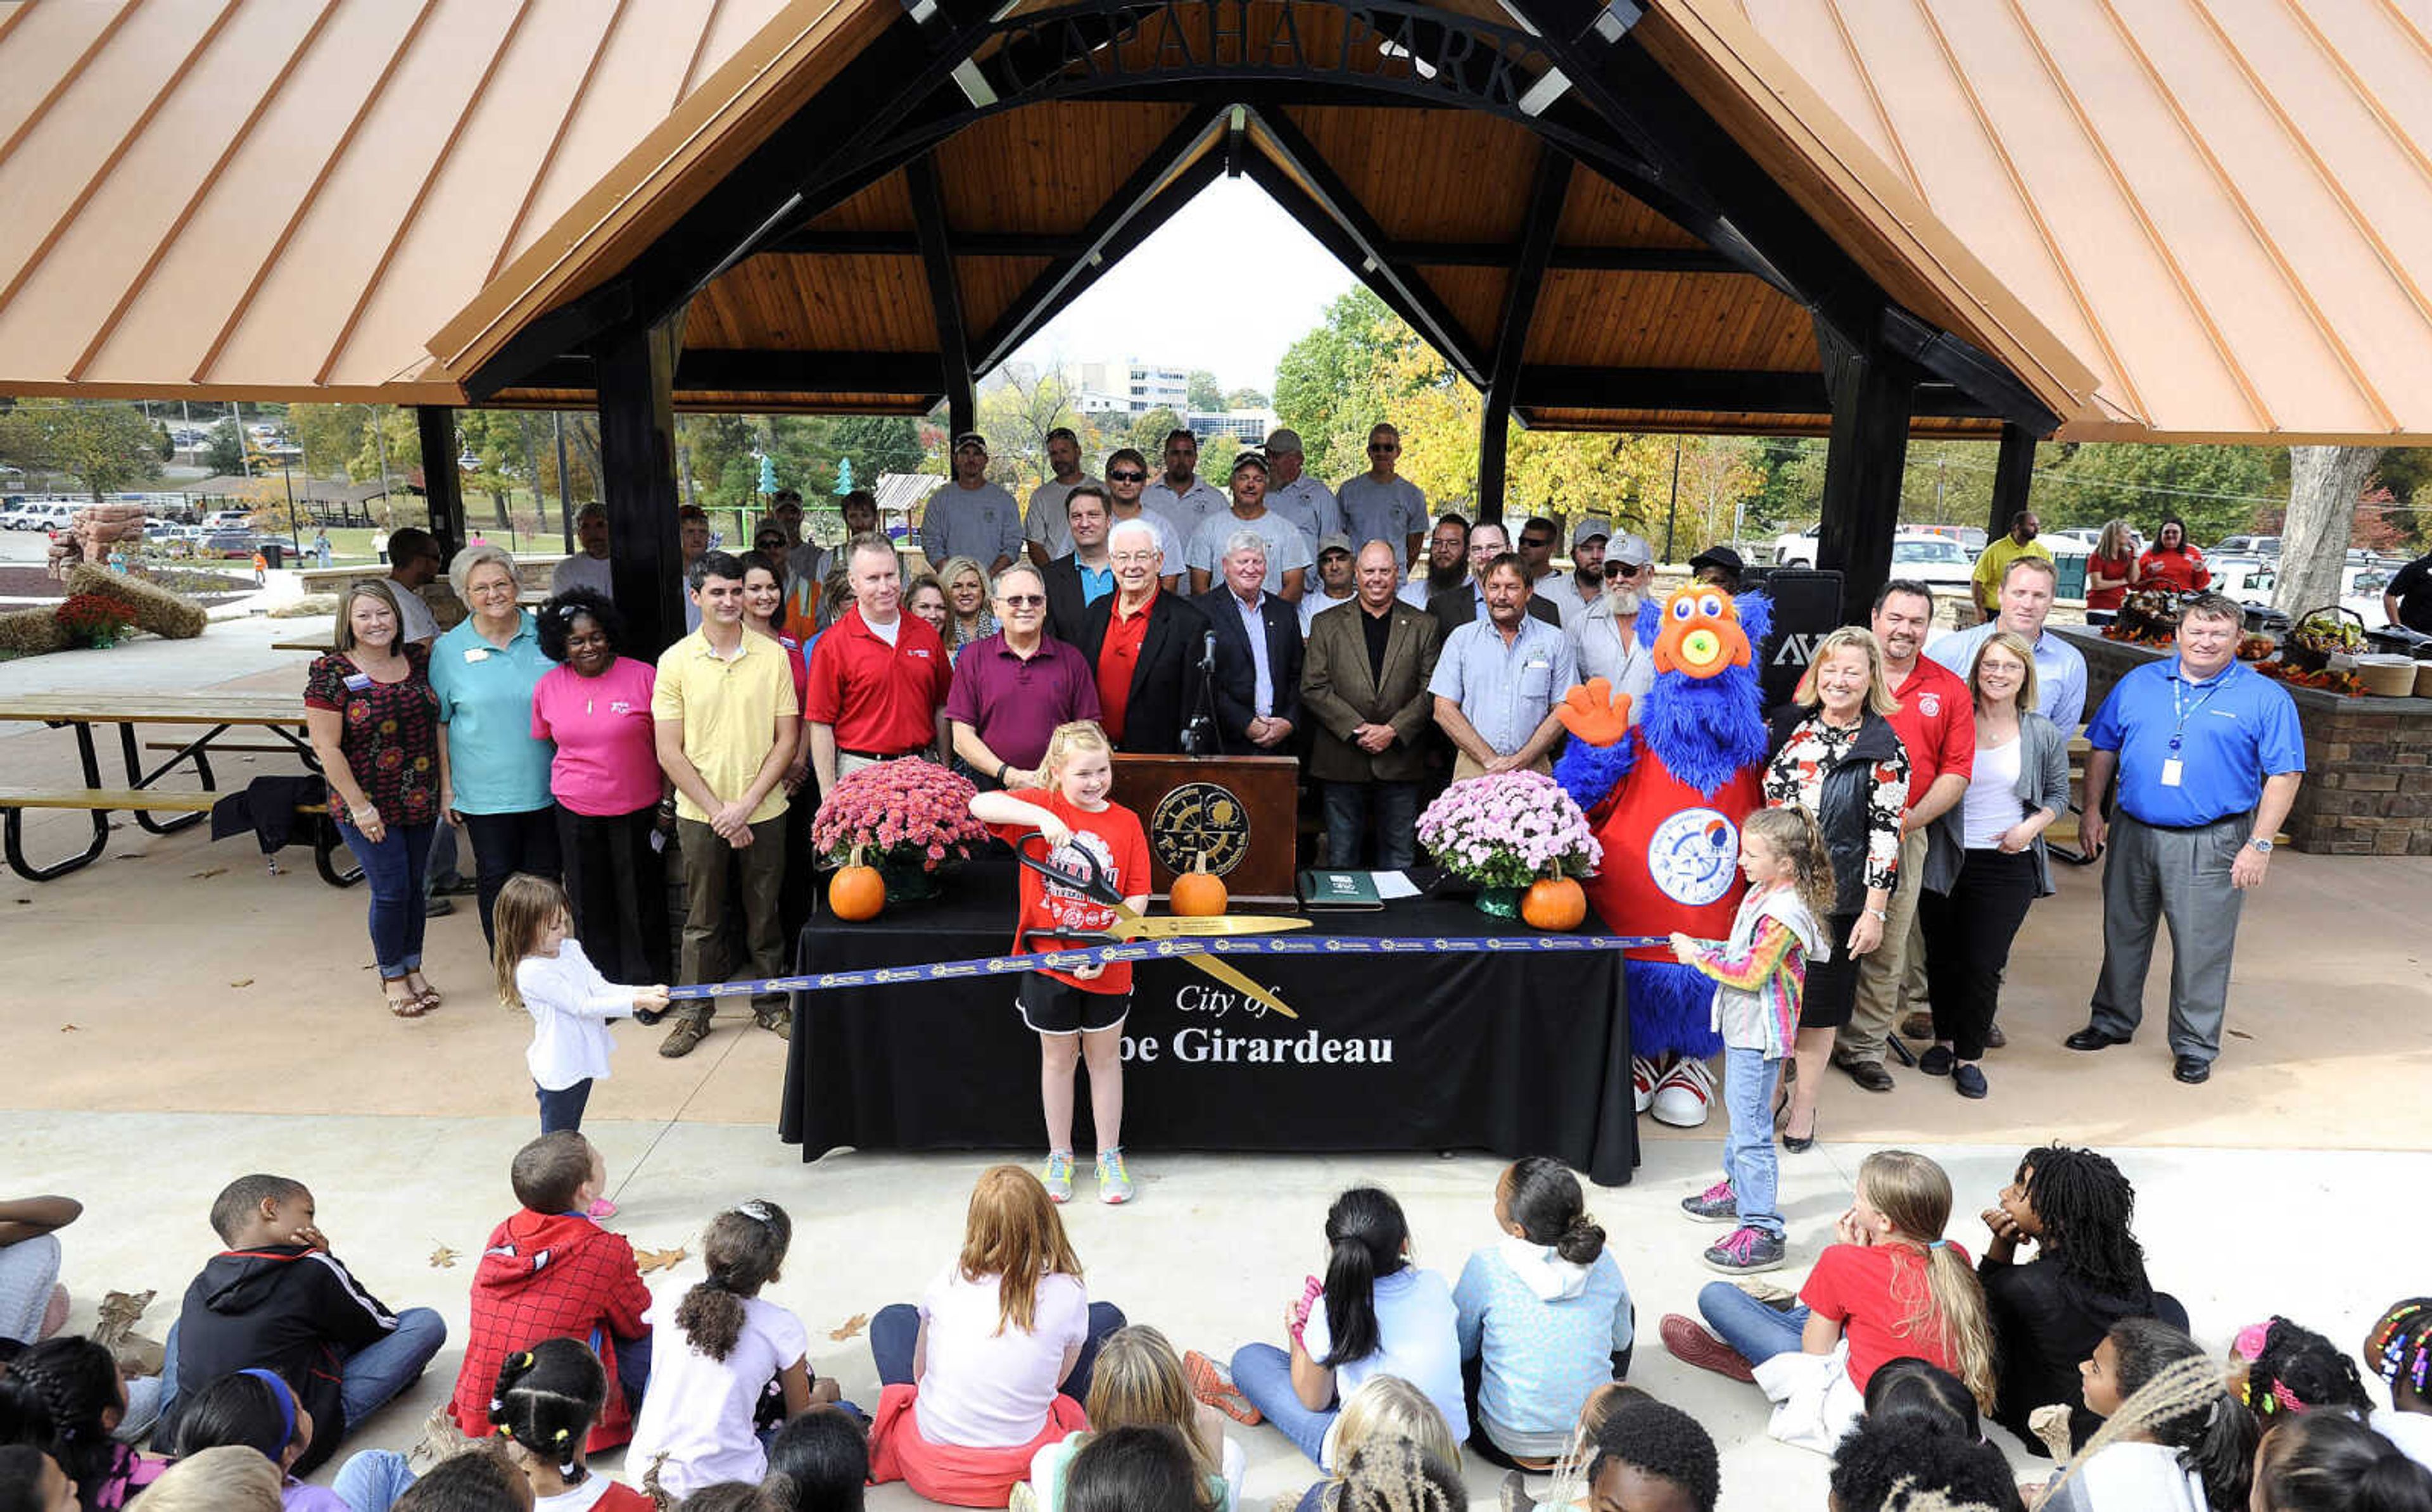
1993 563
725 716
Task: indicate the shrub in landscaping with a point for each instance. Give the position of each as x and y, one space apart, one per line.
170 617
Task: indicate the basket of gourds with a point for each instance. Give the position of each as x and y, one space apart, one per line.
2331 631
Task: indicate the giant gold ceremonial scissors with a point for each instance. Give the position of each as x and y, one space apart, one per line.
1130 925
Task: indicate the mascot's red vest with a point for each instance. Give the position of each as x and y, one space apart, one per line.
1666 795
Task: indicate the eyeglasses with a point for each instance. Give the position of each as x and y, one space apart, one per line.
771 543
1126 476
1620 569
1023 600
1382 446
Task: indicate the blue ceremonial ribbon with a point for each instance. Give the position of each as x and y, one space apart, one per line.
994 965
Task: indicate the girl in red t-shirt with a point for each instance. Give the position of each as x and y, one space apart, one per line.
1891 1286
1087 1005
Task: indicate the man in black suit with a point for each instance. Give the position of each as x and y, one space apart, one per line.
1455 607
1257 652
1145 645
1084 574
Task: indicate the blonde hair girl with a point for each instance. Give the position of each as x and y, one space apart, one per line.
1904 1204
1138 1382
1793 835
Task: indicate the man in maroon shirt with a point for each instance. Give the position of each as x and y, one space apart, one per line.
1936 721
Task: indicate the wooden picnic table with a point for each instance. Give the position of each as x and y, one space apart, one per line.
279 713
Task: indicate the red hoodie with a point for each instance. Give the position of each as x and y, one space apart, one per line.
551 1275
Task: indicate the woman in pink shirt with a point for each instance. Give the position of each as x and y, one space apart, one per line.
613 803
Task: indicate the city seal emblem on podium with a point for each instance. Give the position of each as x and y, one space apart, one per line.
1196 820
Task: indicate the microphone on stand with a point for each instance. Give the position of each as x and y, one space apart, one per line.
1207 652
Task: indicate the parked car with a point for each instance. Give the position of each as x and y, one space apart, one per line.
1937 560
2246 546
237 544
41 516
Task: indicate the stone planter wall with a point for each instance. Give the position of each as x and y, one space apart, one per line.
2368 789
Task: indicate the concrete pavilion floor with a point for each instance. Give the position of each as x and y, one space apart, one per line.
223 1022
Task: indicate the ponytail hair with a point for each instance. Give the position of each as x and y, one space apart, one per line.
1914 1194
546 1400
1795 836
744 1249
2399 1348
251 1409
53 1395
2292 1370
1543 1198
1365 1232
2180 1398
2330 1462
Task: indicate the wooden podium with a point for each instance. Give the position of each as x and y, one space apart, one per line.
1240 811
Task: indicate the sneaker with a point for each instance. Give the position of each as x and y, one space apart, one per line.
1691 1345
680 1039
1114 1183
1715 1204
438 907
778 1022
600 1210
1643 1077
1685 1094
1059 1177
1748 1251
1213 1384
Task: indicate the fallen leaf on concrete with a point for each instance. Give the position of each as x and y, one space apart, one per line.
118 1313
850 1328
68 1028
647 1261
2239 1034
443 1258
242 981
197 876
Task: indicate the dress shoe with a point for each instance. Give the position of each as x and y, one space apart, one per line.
1797 1145
1994 1038
2192 1070
457 887
1918 1025
437 907
1969 1081
2091 1038
1868 1074
1936 1061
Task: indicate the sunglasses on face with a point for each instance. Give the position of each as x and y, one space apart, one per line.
1534 543
1126 476
1024 600
1618 569
771 543
1382 446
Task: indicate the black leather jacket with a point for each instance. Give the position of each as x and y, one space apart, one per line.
1842 803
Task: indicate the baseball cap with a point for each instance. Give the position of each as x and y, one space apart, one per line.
970 438
1337 541
1589 529
1631 549
1721 556
1250 458
1284 440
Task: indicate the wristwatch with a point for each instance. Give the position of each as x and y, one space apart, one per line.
1881 914
2262 842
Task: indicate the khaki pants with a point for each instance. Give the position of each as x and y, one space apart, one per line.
1463 768
757 875
1883 972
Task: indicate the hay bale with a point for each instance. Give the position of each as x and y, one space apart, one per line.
32 633
170 617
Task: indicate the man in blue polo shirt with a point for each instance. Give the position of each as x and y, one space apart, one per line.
2209 757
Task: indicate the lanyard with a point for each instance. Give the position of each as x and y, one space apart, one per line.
2178 702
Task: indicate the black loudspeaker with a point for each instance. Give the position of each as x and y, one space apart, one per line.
1806 608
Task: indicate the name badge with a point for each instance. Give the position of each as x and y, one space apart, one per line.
360 682
2173 769
476 653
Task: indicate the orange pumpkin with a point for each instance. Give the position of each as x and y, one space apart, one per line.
1199 893
856 892
1554 903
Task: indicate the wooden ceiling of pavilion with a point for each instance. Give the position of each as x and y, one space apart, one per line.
1627 320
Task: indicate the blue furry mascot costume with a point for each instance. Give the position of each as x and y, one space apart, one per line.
1666 795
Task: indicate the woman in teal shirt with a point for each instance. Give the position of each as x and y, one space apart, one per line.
493 775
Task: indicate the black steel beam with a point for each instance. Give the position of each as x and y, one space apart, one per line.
442 486
907 244
1871 388
1416 302
2013 478
1551 185
1191 138
637 480
945 294
1954 361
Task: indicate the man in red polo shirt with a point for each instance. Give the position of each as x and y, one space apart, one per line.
1936 721
879 677
1145 646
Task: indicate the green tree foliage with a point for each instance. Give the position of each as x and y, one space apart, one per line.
106 447
1327 383
1202 392
1016 413
224 449
1148 434
1246 399
879 443
2216 490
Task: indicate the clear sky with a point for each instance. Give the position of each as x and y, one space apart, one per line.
1227 285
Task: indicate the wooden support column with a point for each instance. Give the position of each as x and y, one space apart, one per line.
637 480
945 295
442 486
1553 181
2013 476
1871 389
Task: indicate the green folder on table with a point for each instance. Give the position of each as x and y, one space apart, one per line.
1340 889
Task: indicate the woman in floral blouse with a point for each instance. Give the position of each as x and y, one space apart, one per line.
375 727
1837 757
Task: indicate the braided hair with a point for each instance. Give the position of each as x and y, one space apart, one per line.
53 1396
1397 1475
2295 1369
546 1400
2086 1207
2399 1350
2180 1398
743 1249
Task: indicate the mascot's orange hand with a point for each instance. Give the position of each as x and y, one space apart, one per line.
1595 713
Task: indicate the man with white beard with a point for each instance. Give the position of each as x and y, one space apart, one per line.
1605 640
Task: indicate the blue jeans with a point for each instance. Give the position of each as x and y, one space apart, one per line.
393 868
895 1333
1747 1150
373 1480
1350 807
1747 1325
377 1371
1262 1373
562 1109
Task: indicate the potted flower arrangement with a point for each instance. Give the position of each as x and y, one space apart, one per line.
89 619
1504 832
909 818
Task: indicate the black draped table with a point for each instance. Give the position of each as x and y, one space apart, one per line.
1522 1054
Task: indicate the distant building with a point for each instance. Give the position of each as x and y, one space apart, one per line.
1248 427
1134 387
